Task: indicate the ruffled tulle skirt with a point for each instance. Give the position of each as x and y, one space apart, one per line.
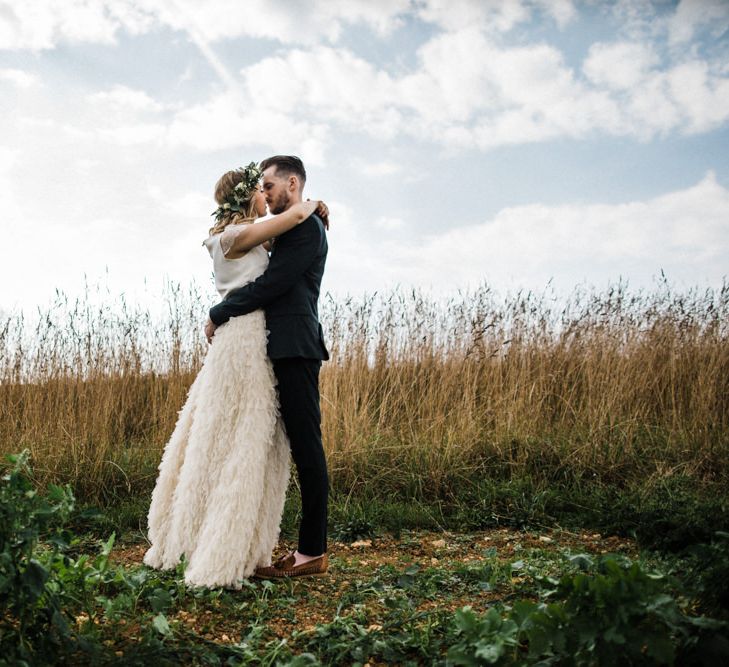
223 476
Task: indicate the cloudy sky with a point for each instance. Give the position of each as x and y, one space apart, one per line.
456 141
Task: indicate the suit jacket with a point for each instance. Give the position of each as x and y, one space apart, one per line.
288 290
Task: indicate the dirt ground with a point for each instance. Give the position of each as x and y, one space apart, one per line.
301 604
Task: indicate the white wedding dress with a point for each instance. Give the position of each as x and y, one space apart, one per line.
222 480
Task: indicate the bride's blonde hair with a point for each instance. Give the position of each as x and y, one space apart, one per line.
224 193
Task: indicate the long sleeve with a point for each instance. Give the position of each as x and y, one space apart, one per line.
296 251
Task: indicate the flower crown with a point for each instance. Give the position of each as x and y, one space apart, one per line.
241 193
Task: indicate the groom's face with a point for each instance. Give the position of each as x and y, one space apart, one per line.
276 190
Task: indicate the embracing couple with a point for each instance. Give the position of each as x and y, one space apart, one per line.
222 480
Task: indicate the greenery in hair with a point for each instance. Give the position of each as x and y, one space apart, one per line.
241 193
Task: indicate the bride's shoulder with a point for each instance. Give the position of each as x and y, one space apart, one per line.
220 241
211 241
233 236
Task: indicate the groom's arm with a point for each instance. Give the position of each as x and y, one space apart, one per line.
290 262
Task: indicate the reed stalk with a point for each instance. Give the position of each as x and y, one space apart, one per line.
421 394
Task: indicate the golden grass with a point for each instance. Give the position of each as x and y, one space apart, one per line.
420 392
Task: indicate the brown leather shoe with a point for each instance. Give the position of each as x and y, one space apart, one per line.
284 567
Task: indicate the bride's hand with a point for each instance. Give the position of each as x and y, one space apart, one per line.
210 328
322 210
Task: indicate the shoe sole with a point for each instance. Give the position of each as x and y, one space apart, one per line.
291 576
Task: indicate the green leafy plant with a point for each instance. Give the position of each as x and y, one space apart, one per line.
483 640
353 528
616 616
31 609
612 613
712 565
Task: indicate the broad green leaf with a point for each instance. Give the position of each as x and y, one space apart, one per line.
583 561
160 600
35 577
161 625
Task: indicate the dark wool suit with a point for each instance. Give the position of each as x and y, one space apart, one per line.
288 291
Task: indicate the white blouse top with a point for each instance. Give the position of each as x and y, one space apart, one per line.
232 273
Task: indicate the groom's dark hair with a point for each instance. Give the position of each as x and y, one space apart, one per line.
285 165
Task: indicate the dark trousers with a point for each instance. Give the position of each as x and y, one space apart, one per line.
298 393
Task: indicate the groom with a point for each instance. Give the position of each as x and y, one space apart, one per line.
288 291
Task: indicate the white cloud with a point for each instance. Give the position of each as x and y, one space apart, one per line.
383 168
651 109
619 65
327 84
460 14
467 89
389 223
703 99
691 15
287 21
127 117
503 95
8 198
18 77
562 11
120 116
121 213
685 233
492 16
229 120
464 90
44 24
475 92
125 99
637 19
138 134
688 96
193 206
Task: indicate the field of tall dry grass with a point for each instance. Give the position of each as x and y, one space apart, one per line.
422 393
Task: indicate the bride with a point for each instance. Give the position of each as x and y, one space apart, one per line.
222 479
